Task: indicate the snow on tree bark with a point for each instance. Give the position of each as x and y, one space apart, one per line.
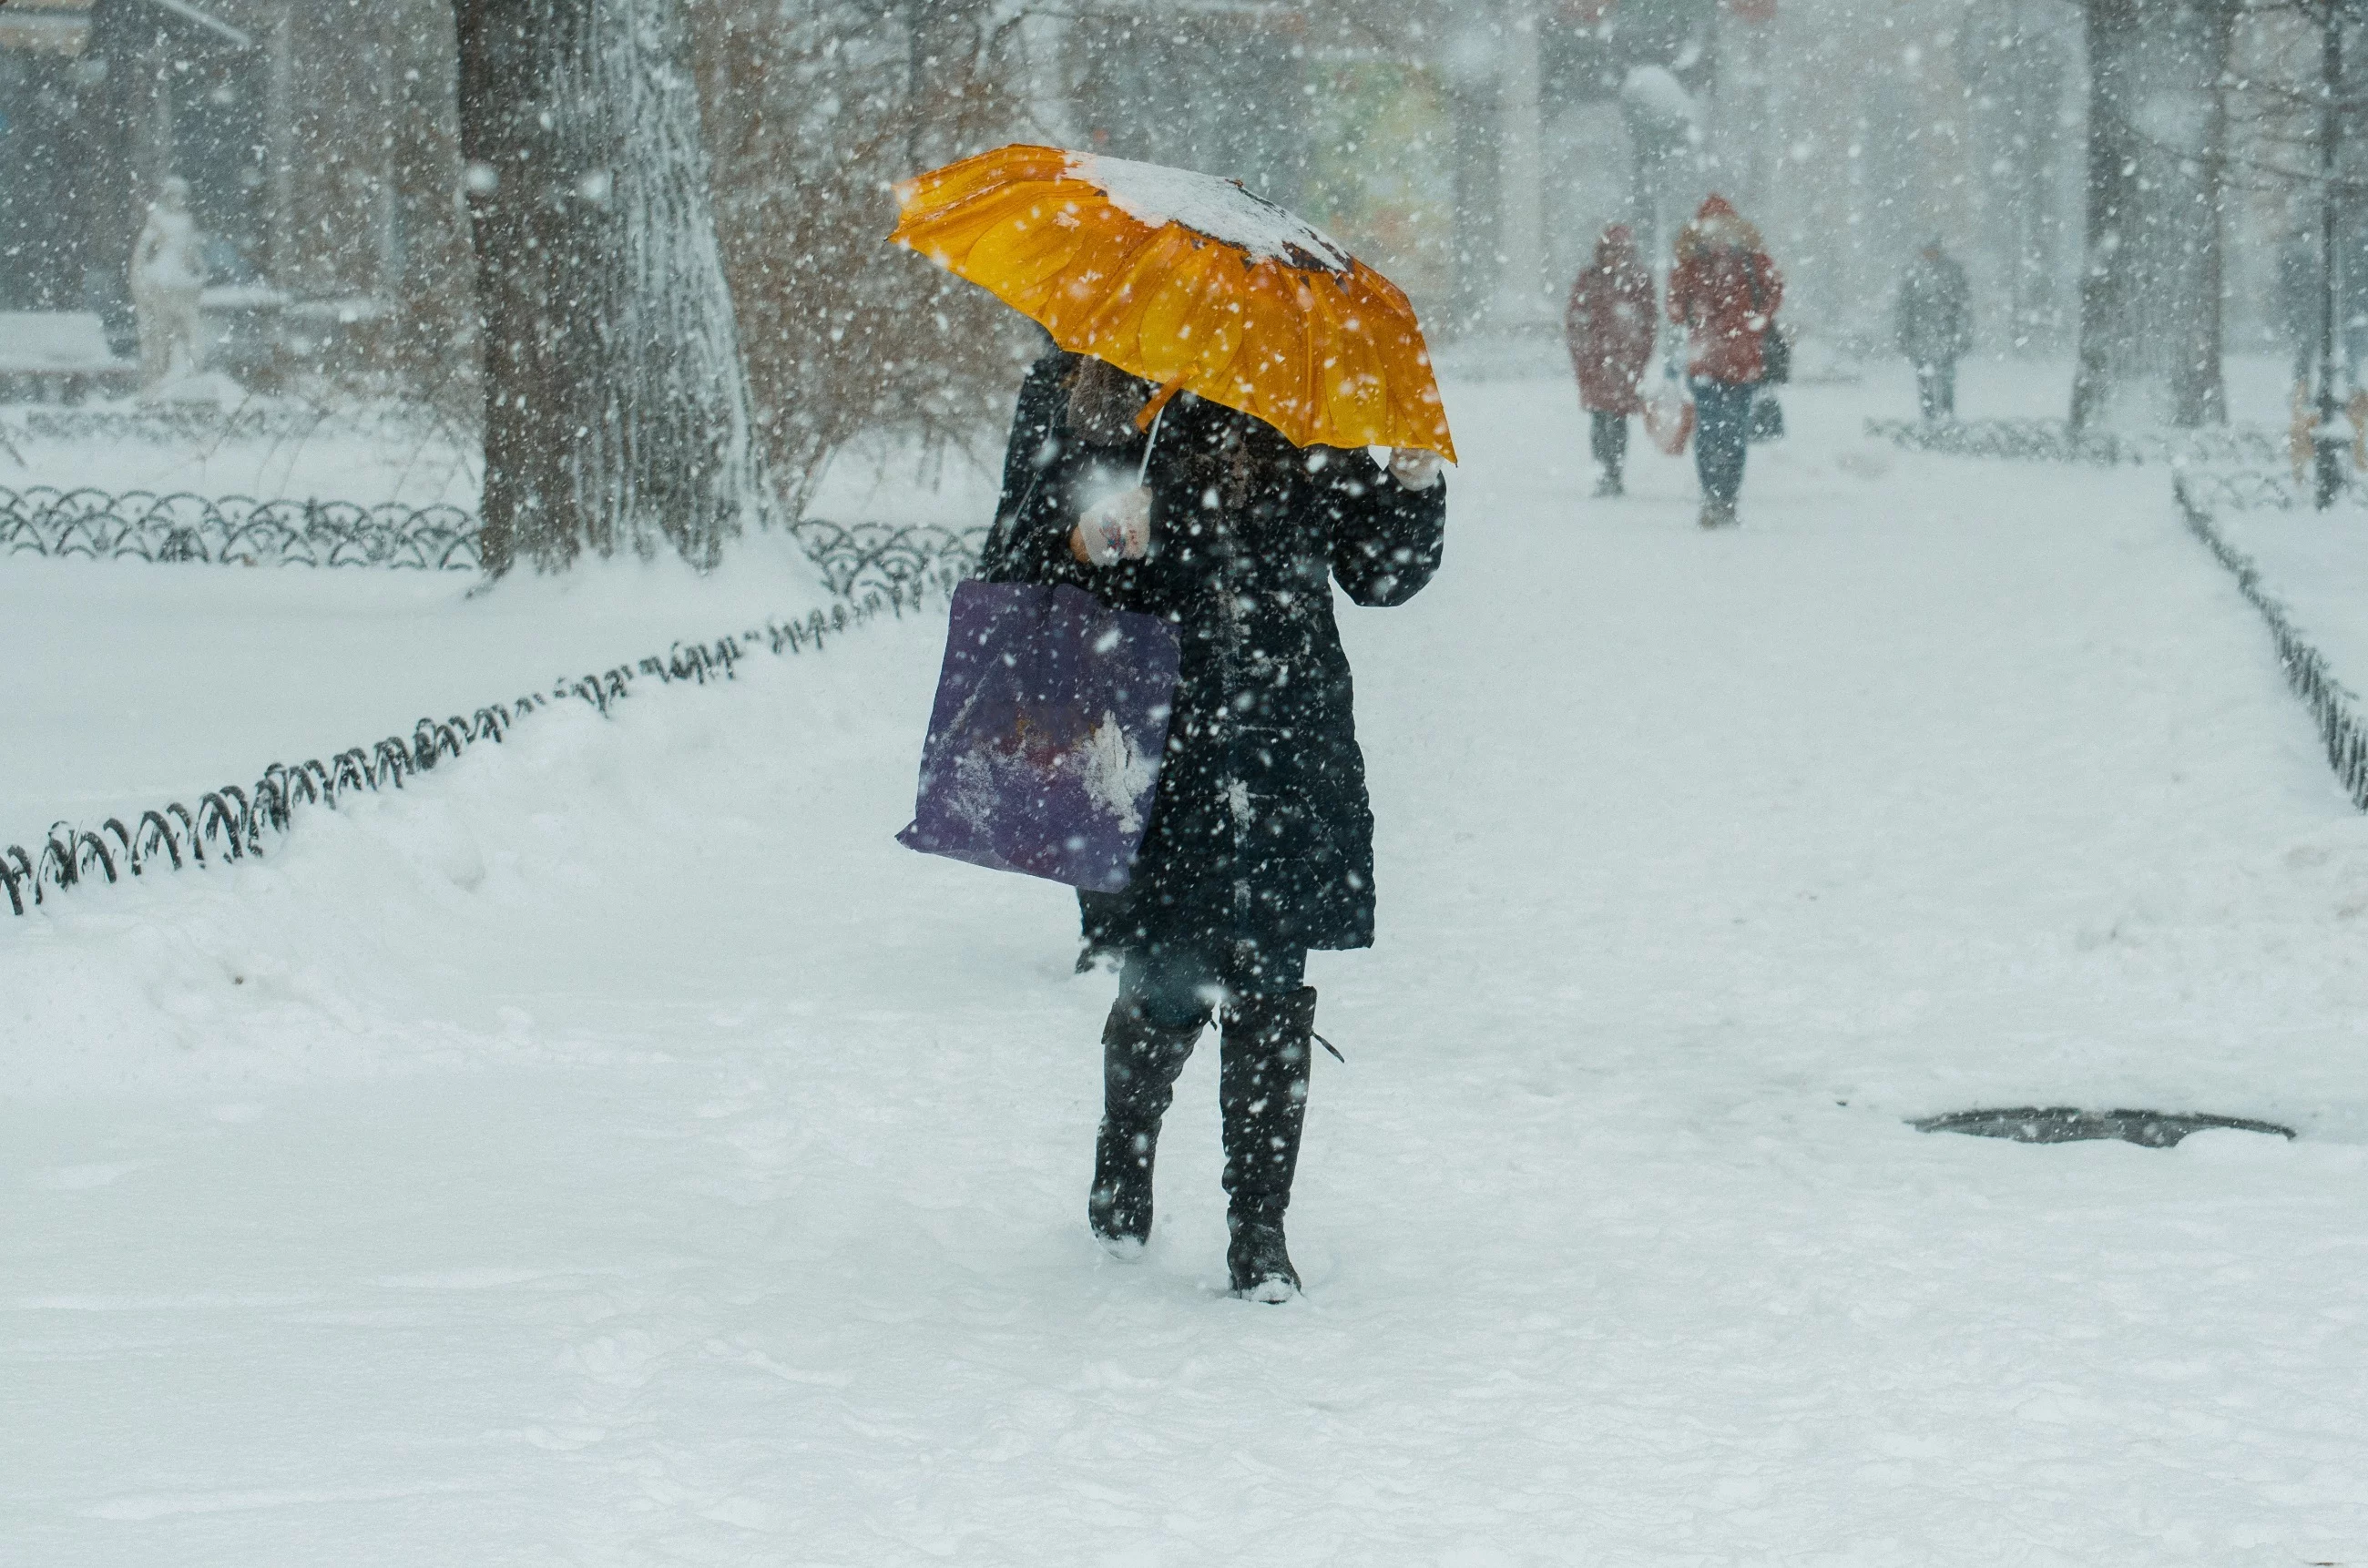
2199 395
2108 327
617 408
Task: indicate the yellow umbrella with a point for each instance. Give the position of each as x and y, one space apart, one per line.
1189 281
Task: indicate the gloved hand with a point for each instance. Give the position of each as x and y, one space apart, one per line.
1413 468
1115 528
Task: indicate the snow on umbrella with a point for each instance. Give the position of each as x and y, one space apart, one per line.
1191 281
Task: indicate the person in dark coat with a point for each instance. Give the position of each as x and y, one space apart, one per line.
1724 292
1259 844
1934 320
1610 325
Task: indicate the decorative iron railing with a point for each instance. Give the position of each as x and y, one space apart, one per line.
237 531
858 556
234 531
229 823
2051 440
2218 490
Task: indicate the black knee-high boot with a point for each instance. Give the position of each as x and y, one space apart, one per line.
1140 1062
1263 1091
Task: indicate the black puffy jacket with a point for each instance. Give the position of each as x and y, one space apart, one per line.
1261 831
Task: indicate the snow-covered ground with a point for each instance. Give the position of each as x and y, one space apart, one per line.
616 1150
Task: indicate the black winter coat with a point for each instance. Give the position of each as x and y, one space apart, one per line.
1934 315
1261 831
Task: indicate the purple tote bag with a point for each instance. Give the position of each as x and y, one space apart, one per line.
1044 743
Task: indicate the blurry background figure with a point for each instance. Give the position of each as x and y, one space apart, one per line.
1935 323
168 271
1609 324
1724 292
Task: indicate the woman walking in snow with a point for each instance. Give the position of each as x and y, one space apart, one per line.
1724 291
1610 326
1260 843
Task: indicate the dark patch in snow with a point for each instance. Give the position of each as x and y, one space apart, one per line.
2070 1124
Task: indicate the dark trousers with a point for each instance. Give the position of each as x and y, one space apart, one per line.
1177 988
1722 427
1608 439
1936 389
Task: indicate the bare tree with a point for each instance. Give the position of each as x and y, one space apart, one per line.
2199 393
617 409
2110 334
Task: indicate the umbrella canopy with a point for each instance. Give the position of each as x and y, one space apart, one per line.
1191 281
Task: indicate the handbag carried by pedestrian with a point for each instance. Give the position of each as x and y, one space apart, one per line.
1775 343
1775 369
1044 741
1669 414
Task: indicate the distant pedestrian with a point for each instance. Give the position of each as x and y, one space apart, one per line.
1935 322
1610 325
1724 292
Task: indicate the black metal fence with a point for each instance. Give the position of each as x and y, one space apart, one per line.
237 531
234 531
2253 490
2052 440
855 557
230 823
2340 729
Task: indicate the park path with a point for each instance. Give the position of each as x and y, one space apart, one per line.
618 1150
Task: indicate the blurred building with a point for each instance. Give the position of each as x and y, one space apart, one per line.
318 156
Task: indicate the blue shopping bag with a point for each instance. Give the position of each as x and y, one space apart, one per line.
1044 742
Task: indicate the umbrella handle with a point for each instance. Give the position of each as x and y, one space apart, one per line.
1149 413
1157 414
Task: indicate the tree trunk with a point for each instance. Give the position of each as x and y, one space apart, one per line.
2108 343
616 404
2199 393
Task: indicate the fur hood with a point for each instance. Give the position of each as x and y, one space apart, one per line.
1616 250
1717 226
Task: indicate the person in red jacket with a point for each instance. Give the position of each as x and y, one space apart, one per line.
1724 292
1610 325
